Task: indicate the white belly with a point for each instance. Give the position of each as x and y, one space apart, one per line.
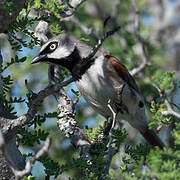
95 88
98 88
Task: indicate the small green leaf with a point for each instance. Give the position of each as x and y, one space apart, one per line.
84 39
118 137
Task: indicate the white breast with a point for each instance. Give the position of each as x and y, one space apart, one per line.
101 84
95 88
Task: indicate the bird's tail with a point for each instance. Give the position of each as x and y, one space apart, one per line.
152 137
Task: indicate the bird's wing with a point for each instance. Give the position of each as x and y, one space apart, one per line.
122 72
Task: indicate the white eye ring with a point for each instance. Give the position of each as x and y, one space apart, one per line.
53 46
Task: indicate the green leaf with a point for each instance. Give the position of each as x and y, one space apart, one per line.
158 117
56 28
28 137
118 137
136 152
52 168
85 39
165 81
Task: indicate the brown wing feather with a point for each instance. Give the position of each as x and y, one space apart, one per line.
152 138
122 72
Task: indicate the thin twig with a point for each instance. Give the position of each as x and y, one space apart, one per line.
161 92
170 110
30 163
100 42
29 89
71 8
66 119
177 107
111 153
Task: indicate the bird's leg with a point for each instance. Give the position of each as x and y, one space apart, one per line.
113 117
111 122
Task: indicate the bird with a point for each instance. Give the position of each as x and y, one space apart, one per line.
104 82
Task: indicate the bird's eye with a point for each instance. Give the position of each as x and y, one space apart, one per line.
53 46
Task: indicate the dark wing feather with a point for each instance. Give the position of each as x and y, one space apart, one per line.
152 137
122 72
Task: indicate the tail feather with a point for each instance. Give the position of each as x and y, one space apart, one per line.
152 138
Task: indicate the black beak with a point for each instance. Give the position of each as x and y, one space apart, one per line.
38 59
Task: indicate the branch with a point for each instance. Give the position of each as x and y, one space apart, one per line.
28 88
30 163
41 31
100 42
68 125
145 59
12 126
170 110
71 8
66 120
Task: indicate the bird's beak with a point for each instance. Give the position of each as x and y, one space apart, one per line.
38 58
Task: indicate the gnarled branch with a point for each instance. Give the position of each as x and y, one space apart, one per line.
30 163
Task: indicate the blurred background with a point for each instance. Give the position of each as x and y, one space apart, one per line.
159 25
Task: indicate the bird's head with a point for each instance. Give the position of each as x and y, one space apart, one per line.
60 50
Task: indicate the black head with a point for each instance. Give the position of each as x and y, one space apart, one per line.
62 50
58 50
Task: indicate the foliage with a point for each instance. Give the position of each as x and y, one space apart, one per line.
29 138
139 161
137 152
9 6
21 25
158 116
52 168
118 137
163 82
94 133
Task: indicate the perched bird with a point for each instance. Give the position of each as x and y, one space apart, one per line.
103 82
